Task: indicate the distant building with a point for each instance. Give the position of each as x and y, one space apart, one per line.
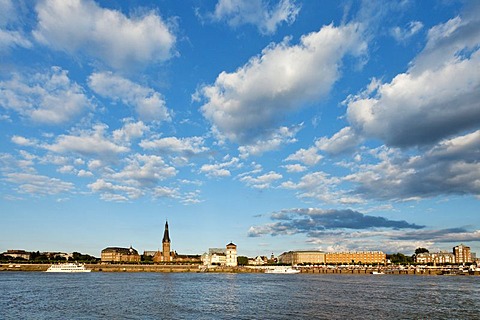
258 261
117 254
435 257
17 254
221 256
462 254
299 257
358 257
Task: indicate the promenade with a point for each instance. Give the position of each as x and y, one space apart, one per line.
347 270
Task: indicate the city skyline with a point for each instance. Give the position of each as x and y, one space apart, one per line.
278 125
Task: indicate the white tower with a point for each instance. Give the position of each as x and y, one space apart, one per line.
231 255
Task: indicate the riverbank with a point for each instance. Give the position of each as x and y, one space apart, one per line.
246 269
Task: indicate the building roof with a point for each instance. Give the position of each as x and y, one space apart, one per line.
166 235
231 244
120 250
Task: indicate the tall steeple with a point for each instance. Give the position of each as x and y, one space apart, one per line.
166 245
166 236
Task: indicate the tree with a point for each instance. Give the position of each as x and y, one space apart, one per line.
242 261
400 258
421 250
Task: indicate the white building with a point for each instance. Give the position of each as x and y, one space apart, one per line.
231 255
221 257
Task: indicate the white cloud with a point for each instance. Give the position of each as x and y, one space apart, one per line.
451 167
263 181
220 169
113 192
185 146
274 141
38 184
260 13
402 35
108 35
148 104
84 174
10 33
130 131
166 192
249 103
22 141
50 98
308 156
88 143
321 186
291 168
144 171
424 105
344 140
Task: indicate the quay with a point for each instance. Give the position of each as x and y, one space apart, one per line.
166 268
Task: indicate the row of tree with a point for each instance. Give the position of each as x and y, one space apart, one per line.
38 257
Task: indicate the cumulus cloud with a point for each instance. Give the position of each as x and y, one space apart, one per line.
249 103
220 169
144 171
50 98
260 13
88 143
130 131
148 104
273 141
117 40
308 156
424 105
451 167
309 221
344 140
115 192
294 168
322 186
263 181
188 147
38 184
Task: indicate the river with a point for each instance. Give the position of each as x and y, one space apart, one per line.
38 295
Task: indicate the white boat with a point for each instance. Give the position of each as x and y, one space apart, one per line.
68 267
282 270
377 272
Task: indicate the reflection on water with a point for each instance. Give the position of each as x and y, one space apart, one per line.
236 296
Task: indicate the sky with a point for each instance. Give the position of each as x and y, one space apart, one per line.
278 125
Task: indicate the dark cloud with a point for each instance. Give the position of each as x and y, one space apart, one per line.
443 235
310 221
451 167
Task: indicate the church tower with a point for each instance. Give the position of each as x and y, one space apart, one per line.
166 244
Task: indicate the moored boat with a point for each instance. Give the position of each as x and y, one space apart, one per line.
282 270
377 272
68 267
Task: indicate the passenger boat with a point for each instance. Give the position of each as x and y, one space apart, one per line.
282 270
377 272
68 267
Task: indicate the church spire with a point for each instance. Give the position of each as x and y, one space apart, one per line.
166 236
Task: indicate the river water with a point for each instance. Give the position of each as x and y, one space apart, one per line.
37 295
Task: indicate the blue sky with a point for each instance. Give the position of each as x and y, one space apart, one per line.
278 125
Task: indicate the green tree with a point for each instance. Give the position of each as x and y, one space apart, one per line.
242 261
421 250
